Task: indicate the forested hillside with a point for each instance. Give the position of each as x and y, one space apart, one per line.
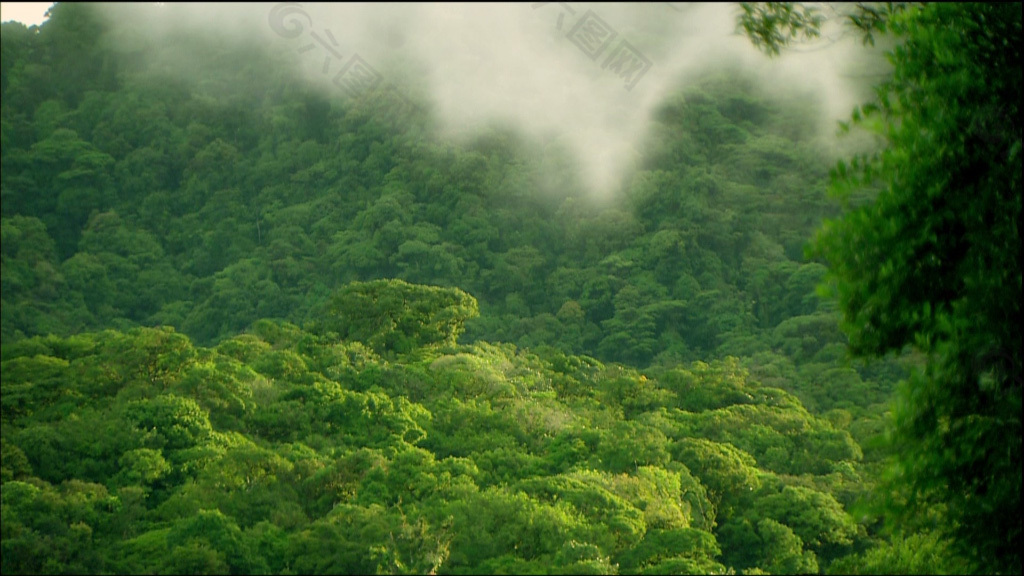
251 327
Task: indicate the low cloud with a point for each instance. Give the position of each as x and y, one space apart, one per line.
588 76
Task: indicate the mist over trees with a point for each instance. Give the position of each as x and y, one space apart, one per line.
249 326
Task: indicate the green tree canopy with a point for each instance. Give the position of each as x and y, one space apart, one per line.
395 316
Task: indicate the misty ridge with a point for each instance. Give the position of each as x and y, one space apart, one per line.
544 70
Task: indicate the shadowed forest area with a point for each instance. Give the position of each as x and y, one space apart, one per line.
249 327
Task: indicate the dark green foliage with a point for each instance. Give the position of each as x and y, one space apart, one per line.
927 255
772 25
238 335
167 202
934 262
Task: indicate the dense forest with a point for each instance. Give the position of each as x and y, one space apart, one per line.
249 326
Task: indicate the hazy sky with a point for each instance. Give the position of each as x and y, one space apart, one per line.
28 13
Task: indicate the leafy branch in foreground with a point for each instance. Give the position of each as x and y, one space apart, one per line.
933 261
